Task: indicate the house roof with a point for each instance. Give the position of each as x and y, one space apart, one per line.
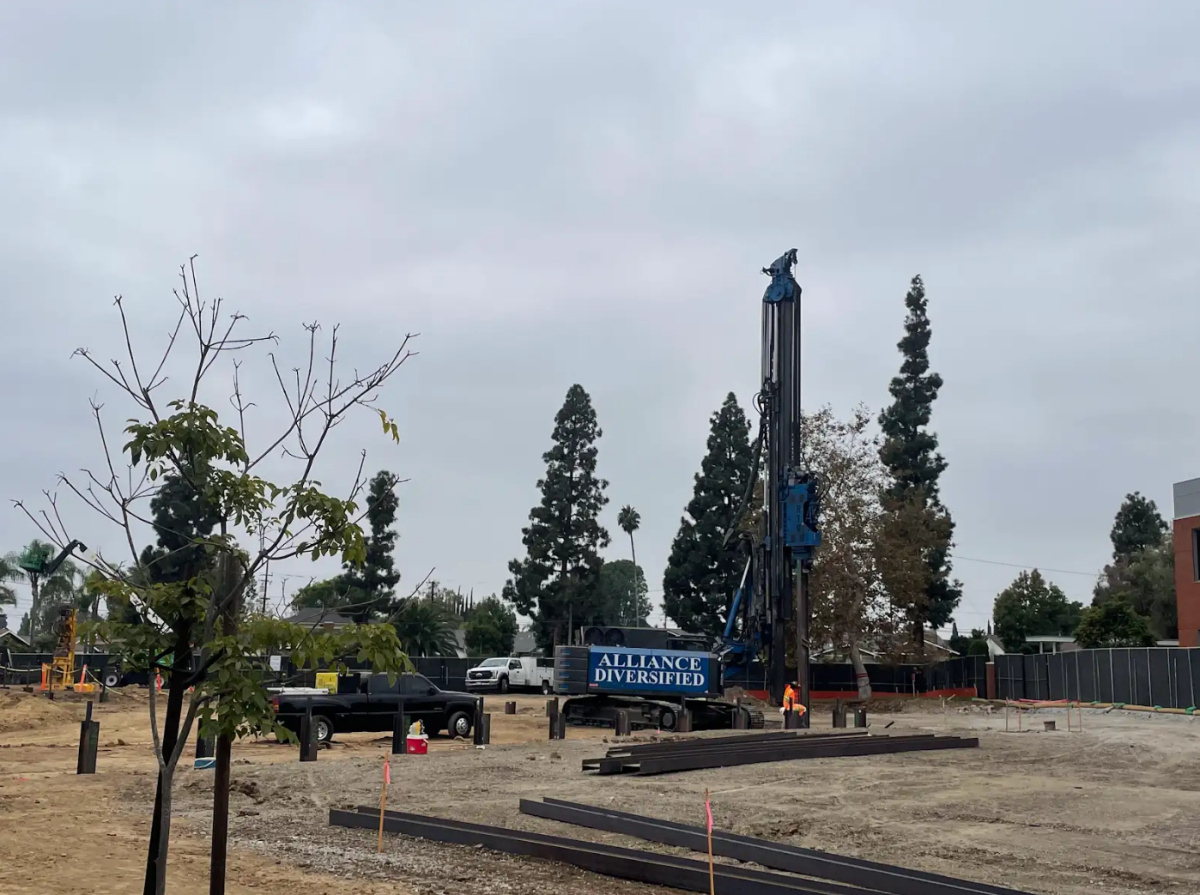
9 632
320 616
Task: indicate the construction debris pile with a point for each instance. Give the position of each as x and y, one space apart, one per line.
807 871
721 752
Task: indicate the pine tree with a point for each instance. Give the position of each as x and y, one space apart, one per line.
181 517
557 583
701 574
1142 572
372 585
909 451
1137 527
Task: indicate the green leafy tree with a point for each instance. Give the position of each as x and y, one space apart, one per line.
196 632
862 546
371 586
1146 581
624 594
1031 606
557 583
1138 526
492 628
182 519
326 593
1113 623
424 628
702 573
909 451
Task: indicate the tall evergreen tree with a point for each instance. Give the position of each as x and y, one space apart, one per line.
909 451
371 586
1137 527
557 583
701 574
1142 572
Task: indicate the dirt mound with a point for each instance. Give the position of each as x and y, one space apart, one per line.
29 711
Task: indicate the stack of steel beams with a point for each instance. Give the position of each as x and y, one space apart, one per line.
809 872
721 752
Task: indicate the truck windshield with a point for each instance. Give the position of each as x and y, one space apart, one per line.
492 663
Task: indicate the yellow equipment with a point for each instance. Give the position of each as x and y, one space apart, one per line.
60 673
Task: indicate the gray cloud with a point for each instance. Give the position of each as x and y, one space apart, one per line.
552 193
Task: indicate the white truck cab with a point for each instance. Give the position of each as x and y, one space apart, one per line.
503 674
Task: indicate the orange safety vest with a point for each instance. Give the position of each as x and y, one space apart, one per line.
791 700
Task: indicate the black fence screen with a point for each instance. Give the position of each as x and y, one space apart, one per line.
1167 677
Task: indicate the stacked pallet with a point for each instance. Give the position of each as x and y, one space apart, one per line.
722 752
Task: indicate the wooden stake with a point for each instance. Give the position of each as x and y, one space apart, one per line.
387 778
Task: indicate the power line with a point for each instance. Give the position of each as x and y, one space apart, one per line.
1015 565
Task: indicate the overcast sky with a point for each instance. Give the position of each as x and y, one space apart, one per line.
564 192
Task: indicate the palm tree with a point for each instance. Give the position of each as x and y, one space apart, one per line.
628 519
8 572
424 629
62 581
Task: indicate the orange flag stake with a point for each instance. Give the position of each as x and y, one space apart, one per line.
712 881
387 778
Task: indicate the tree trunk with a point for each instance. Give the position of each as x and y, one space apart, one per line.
160 829
919 638
35 604
860 671
635 601
231 575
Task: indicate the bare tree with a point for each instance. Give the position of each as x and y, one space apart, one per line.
173 433
869 547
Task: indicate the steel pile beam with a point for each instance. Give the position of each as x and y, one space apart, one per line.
855 872
633 753
686 757
608 860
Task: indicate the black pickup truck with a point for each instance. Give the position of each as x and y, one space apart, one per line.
374 704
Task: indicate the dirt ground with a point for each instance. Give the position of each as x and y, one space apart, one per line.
1115 808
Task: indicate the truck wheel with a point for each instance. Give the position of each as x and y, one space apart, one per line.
503 685
460 725
324 728
546 688
666 721
112 678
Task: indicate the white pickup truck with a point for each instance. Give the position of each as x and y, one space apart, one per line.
504 674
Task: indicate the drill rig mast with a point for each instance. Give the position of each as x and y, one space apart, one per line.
774 585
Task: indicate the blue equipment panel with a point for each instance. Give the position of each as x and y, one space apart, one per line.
614 669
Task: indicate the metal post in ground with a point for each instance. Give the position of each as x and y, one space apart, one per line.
683 723
308 737
839 714
622 724
860 716
510 708
400 732
89 743
477 727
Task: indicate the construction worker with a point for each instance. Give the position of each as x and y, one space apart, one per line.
791 699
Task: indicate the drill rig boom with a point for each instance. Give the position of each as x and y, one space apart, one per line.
773 589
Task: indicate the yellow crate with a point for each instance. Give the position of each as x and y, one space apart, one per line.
327 680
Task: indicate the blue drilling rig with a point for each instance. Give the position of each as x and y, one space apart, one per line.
658 670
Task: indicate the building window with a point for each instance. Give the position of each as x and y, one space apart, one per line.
1196 554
